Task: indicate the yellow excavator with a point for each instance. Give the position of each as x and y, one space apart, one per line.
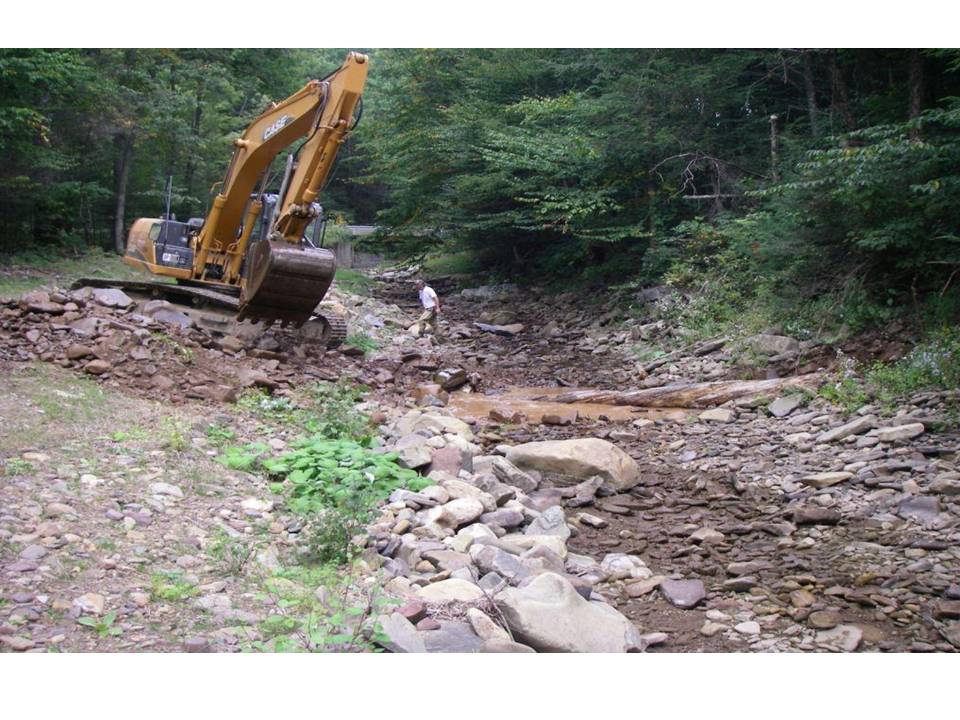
259 265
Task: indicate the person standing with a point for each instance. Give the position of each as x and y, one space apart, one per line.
431 307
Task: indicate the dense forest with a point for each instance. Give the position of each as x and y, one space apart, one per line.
820 179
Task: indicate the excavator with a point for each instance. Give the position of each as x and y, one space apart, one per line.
255 265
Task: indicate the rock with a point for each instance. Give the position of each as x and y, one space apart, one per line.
505 471
644 587
452 590
77 351
856 426
815 516
452 637
591 520
492 559
581 458
484 627
552 521
802 598
399 635
196 644
684 594
749 627
784 405
843 637
450 460
711 628
565 416
707 536
772 344
91 603
461 511
97 367
823 619
17 643
456 489
505 646
720 415
620 566
744 583
899 433
33 553
450 378
946 484
256 505
111 297
825 479
921 509
549 615
162 488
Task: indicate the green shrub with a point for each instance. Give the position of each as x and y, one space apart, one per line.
931 365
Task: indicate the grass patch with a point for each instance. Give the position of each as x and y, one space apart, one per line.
171 587
363 342
353 281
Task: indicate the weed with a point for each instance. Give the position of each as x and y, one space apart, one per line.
174 431
219 435
16 466
242 458
185 353
103 626
134 434
933 364
354 281
333 411
363 342
231 553
846 392
265 406
171 587
645 353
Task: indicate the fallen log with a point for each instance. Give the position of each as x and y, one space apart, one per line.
505 330
691 395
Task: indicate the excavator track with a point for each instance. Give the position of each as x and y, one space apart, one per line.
285 282
330 330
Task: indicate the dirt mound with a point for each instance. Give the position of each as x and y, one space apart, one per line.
101 333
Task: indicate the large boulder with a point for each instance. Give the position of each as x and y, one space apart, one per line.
773 344
549 615
580 458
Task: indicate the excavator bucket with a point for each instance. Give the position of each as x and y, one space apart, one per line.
285 282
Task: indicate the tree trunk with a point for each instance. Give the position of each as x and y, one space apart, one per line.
841 99
121 168
811 93
691 395
916 88
774 149
191 159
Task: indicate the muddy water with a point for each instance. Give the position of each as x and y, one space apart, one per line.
534 403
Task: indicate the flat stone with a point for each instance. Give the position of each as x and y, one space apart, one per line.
718 415
17 642
684 594
812 515
856 426
452 637
452 590
826 479
92 603
644 587
33 553
580 458
823 619
751 627
843 637
162 488
899 432
924 508
784 405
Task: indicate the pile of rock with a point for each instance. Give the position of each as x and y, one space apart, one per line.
480 558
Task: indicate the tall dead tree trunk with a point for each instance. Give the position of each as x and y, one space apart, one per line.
774 149
841 98
915 83
811 92
121 169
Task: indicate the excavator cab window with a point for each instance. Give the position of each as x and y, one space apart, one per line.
172 243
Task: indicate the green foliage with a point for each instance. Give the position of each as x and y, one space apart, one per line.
103 626
16 466
320 473
321 610
354 281
171 587
327 409
219 435
362 341
242 458
232 553
175 431
932 365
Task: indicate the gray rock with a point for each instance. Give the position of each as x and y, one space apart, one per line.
452 637
784 405
899 433
856 426
548 614
400 635
492 559
684 594
921 509
772 344
581 458
552 521
503 469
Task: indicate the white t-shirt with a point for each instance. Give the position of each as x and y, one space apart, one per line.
428 297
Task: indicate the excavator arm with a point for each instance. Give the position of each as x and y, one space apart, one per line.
277 277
